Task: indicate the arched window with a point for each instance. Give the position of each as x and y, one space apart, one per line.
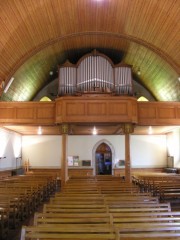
142 99
45 99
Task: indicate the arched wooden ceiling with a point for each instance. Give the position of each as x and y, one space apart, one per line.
38 35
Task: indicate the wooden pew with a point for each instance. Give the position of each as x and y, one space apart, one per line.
70 232
19 197
72 218
40 187
81 211
24 199
109 200
33 194
79 188
99 199
74 208
117 190
99 178
151 182
168 190
80 194
140 217
139 208
11 204
121 194
76 201
149 232
4 222
147 225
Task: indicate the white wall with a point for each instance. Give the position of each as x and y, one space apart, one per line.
173 146
83 146
148 151
45 151
145 151
42 151
10 149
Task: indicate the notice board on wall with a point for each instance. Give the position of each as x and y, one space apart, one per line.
73 161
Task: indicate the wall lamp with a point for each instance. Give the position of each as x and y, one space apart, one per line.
2 84
139 72
94 132
8 85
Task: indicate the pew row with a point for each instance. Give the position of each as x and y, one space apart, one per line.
71 232
85 208
20 196
73 218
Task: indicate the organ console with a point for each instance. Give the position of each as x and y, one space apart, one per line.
95 73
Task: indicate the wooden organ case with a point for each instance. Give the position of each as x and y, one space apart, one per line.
95 73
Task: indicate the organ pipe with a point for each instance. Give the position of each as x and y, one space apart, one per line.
95 73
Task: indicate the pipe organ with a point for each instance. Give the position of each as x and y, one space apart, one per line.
123 80
95 73
67 79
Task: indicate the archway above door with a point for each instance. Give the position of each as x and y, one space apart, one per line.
103 159
103 150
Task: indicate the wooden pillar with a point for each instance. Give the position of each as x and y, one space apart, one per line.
128 128
127 159
64 166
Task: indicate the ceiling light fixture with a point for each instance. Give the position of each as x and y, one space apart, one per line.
139 72
8 85
94 131
150 130
39 130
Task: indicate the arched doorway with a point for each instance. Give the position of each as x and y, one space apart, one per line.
103 159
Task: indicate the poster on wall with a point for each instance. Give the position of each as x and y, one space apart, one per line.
73 161
76 161
121 163
70 161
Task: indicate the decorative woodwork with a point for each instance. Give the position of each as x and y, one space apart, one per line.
64 128
27 112
128 128
159 113
91 108
96 109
